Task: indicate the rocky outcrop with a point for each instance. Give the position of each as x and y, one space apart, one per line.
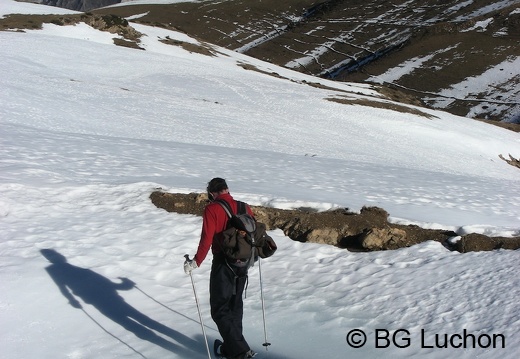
478 242
367 231
512 161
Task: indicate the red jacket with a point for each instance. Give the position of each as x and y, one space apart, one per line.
214 221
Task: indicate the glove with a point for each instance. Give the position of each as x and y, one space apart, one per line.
126 283
268 249
190 265
75 303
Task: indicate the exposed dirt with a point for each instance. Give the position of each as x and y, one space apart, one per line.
367 231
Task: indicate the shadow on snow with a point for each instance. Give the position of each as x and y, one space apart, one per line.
94 289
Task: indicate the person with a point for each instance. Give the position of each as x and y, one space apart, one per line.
227 282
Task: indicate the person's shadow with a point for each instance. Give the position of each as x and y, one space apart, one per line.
98 291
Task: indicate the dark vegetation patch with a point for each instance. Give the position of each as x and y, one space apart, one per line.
127 43
252 67
507 125
203 48
367 231
382 105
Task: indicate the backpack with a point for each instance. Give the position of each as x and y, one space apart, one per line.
245 239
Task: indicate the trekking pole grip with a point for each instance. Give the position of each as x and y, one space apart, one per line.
187 256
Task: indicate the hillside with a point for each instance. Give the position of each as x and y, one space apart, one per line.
90 268
462 57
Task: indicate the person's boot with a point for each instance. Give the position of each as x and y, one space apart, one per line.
251 354
217 348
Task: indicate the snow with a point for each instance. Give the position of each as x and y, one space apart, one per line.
13 7
89 130
82 32
489 80
480 25
484 10
407 67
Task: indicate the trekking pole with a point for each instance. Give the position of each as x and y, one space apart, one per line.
198 309
266 343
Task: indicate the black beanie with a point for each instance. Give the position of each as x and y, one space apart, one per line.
217 184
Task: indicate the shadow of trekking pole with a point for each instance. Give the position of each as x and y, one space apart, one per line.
164 305
112 335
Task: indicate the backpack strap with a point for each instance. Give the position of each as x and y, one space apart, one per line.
245 223
226 207
241 207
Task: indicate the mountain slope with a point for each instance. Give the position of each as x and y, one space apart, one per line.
89 130
460 57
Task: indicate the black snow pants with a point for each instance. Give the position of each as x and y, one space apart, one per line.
226 286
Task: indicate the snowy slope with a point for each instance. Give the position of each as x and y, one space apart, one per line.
89 129
457 56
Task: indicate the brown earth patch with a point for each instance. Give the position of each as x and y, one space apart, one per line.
367 231
515 127
203 48
382 105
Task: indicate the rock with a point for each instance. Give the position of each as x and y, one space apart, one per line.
324 236
367 231
384 238
478 242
